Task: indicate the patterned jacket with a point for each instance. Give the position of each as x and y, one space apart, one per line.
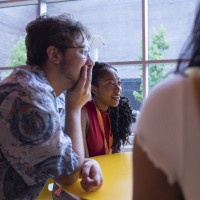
33 146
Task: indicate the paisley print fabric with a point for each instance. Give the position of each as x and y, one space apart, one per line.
33 146
29 124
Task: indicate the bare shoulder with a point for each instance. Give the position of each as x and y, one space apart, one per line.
84 114
84 121
144 172
85 128
170 85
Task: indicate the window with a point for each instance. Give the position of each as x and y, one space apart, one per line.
15 19
141 38
175 17
115 21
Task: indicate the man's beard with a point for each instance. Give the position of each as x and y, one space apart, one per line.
69 77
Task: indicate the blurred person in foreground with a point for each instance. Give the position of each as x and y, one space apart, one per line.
41 135
166 160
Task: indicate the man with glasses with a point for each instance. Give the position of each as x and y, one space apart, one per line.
41 126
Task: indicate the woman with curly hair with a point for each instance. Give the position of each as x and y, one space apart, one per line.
107 118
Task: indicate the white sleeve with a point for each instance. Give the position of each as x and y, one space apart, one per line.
160 125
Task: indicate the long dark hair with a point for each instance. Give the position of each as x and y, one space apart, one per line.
121 117
192 47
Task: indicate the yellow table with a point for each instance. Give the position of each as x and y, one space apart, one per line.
117 173
46 194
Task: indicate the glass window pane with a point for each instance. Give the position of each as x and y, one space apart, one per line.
119 23
159 72
170 24
15 19
131 80
5 73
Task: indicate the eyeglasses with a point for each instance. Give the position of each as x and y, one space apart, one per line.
85 51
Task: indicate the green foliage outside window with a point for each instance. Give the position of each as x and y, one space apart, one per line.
157 72
17 54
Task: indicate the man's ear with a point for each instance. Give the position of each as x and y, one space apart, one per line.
93 90
53 55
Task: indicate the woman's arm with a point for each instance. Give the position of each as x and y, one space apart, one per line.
85 128
149 182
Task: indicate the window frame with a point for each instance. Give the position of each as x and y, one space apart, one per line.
42 8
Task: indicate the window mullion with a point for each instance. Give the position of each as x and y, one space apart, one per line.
42 7
145 42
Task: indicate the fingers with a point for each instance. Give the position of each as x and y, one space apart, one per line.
90 186
92 178
89 77
85 78
79 95
84 84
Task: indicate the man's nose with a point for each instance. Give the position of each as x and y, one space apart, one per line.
89 61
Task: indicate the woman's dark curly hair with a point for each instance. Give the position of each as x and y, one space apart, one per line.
121 117
59 31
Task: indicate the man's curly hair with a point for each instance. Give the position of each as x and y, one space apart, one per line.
60 31
121 117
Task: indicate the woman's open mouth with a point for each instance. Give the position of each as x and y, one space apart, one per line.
116 98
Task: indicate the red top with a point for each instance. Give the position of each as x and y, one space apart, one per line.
95 141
